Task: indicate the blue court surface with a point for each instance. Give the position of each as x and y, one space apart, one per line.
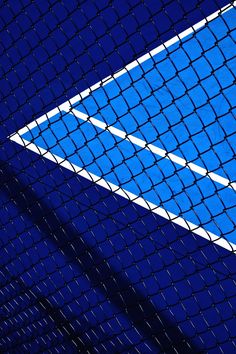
185 115
117 177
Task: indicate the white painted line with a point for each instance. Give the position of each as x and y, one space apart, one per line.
154 149
220 241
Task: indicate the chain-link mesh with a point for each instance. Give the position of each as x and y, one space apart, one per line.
118 205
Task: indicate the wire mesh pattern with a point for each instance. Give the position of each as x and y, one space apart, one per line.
118 205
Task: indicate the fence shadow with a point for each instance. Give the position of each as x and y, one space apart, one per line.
154 326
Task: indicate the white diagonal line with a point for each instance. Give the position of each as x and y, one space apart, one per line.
154 149
220 241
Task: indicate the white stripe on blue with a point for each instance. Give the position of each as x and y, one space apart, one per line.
162 133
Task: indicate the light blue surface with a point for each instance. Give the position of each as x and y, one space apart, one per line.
186 113
175 102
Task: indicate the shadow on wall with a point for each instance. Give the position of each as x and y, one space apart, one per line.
116 287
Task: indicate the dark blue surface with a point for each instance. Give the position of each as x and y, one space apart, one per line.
164 255
50 216
52 63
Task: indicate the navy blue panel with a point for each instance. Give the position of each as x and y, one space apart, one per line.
52 51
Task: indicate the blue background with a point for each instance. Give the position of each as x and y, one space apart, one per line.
76 260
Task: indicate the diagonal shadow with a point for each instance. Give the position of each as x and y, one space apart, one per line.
154 326
46 309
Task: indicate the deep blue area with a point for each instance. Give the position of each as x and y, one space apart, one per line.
58 50
57 228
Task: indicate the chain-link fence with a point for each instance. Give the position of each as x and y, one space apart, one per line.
117 170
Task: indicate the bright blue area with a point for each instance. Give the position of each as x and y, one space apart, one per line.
140 172
192 124
175 102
